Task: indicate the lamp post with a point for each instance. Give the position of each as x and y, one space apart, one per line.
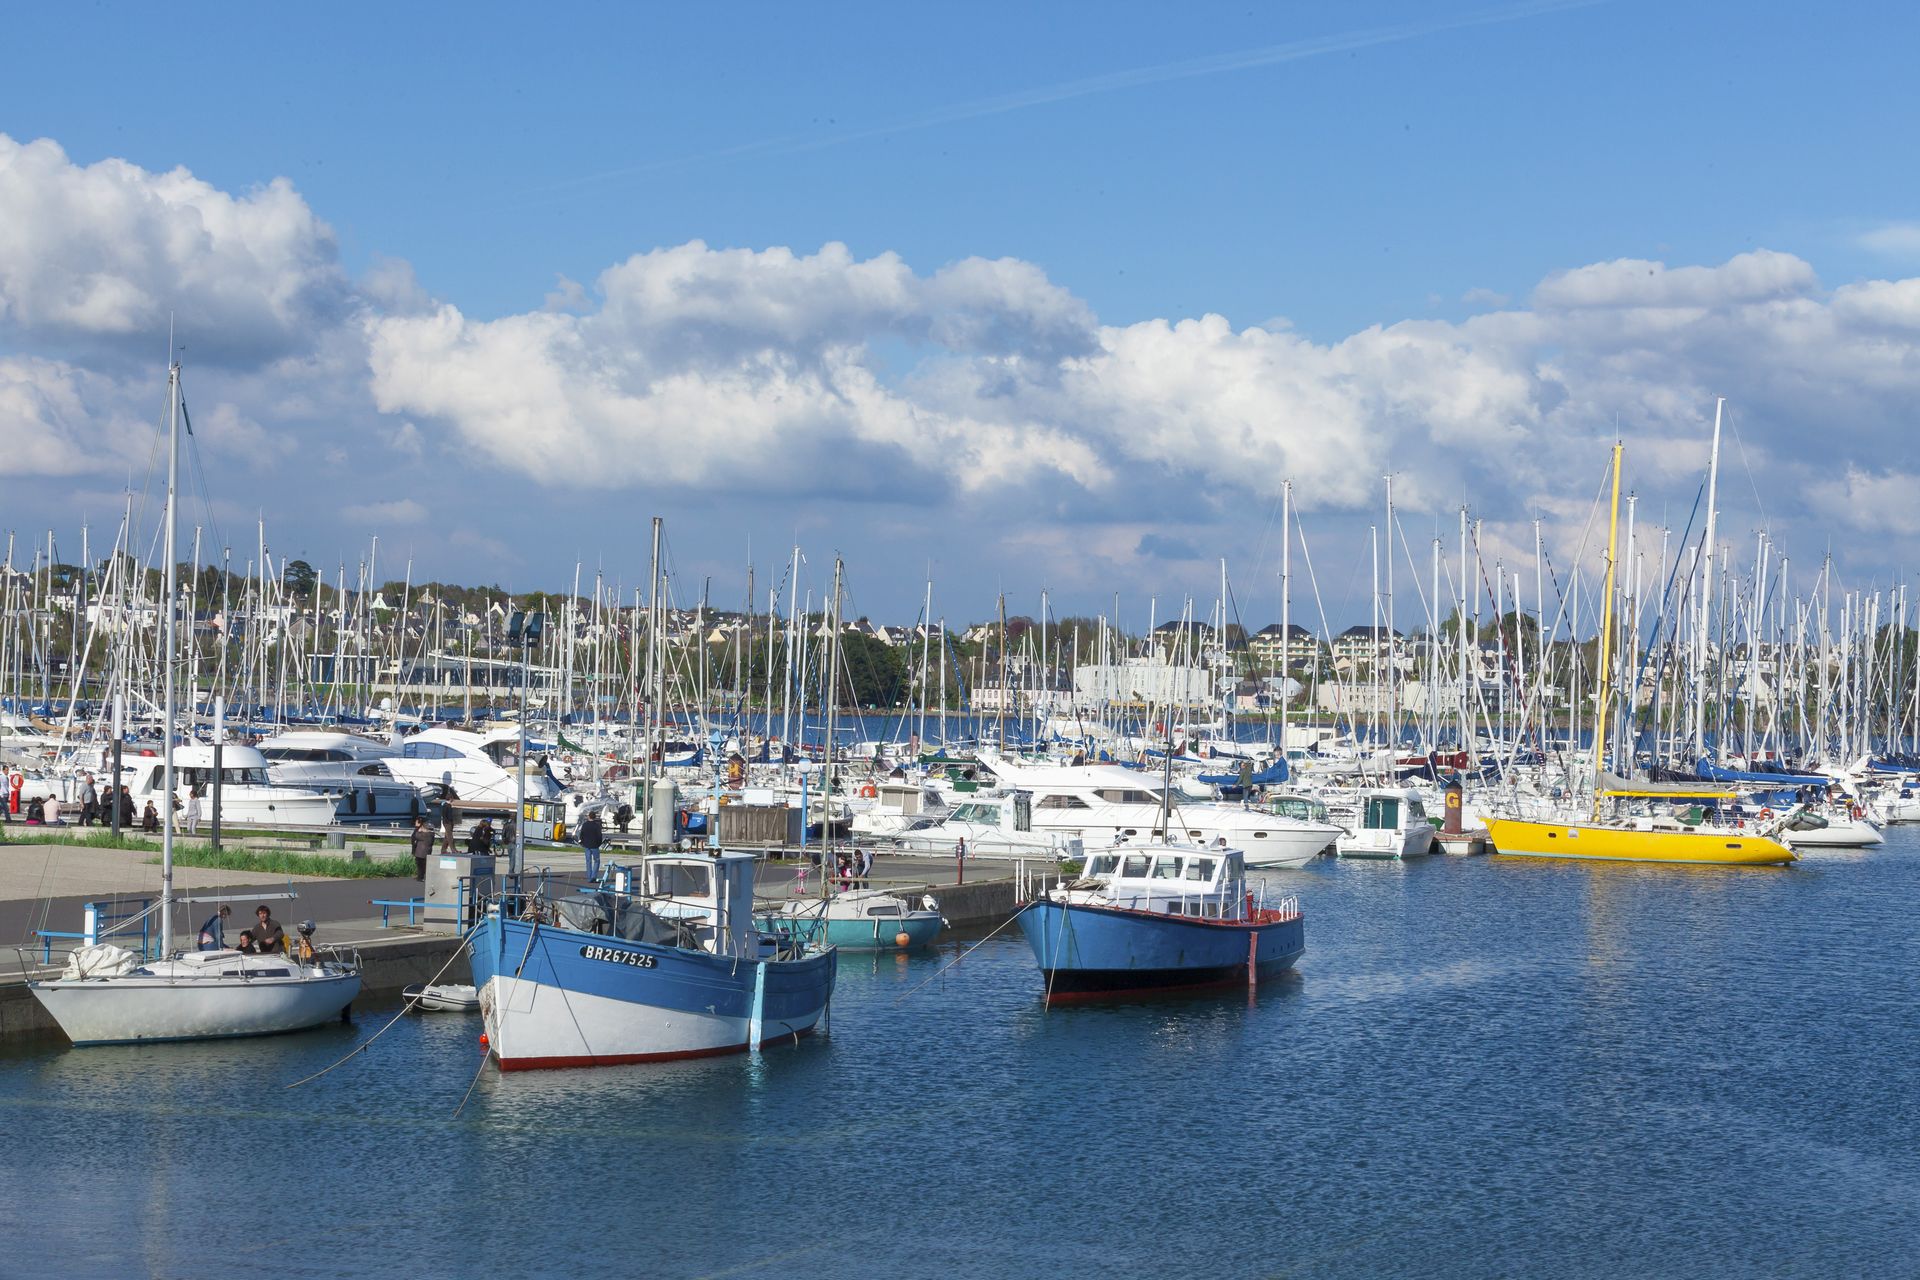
523 630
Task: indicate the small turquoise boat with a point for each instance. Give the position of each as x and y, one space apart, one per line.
861 920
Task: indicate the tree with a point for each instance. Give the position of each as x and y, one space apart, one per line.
300 578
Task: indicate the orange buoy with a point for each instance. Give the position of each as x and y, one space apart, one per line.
902 939
483 1040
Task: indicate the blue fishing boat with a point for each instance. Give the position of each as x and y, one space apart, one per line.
1159 917
664 961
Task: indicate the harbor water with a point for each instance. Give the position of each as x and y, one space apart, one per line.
1483 1066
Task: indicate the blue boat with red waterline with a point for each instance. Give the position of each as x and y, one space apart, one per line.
1159 917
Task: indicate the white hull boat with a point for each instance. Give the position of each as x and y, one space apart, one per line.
1392 824
445 997
203 995
1839 833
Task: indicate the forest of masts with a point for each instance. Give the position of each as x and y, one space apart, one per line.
1712 653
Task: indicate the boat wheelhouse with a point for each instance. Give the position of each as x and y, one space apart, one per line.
1389 824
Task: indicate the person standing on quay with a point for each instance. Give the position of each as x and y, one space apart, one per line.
89 800
591 834
422 847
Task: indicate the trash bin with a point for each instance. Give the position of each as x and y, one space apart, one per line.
445 871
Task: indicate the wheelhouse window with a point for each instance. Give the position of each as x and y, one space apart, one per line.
677 880
1102 865
1166 868
1062 802
1200 869
1118 795
1135 866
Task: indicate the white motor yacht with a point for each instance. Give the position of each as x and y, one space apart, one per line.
346 766
1391 824
476 766
247 796
1101 804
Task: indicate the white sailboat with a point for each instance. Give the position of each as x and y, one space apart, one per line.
107 995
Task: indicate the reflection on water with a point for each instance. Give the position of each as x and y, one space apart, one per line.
1482 1066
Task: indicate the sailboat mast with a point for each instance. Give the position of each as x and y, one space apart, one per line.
1706 593
833 705
1286 607
1606 640
654 708
172 644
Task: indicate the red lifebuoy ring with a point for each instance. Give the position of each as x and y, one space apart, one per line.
1766 815
869 791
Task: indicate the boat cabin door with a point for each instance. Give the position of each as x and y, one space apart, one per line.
1023 811
1382 814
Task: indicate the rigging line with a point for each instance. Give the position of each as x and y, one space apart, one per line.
473 1083
1747 466
962 956
405 1005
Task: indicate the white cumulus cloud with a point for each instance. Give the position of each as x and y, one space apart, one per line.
111 251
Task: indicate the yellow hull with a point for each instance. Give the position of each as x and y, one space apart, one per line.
1523 838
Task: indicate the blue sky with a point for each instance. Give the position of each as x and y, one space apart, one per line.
1438 164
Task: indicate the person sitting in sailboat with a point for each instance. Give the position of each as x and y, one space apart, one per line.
213 936
269 938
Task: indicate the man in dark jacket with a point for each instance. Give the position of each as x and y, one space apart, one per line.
591 834
422 847
126 809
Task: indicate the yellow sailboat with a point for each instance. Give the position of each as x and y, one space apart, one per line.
1643 839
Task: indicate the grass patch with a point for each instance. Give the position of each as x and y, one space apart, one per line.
265 861
292 864
19 833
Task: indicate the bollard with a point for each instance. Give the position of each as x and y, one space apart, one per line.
1450 824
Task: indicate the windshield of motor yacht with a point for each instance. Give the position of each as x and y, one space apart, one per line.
1129 795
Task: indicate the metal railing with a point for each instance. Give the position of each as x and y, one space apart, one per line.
102 920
